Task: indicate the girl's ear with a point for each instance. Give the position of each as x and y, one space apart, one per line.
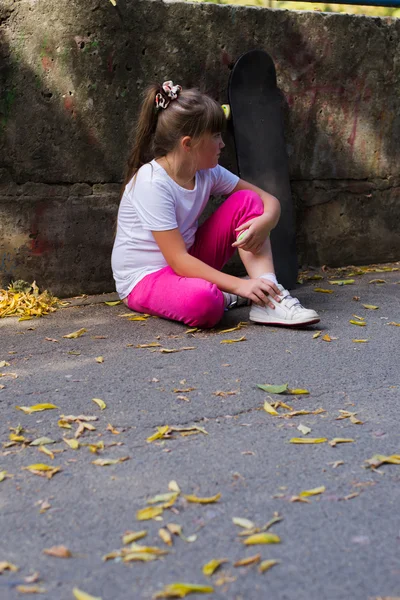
186 143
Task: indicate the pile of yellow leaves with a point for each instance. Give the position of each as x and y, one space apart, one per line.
24 300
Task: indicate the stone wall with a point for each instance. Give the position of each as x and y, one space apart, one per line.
71 74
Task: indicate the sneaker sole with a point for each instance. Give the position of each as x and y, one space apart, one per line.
286 323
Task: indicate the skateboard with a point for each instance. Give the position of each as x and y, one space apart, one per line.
255 107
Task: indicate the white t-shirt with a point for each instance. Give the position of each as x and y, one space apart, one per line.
153 201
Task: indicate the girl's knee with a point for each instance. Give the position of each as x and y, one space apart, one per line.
209 307
250 200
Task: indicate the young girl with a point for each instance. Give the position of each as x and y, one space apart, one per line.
164 264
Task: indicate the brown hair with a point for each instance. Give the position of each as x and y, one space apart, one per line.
157 131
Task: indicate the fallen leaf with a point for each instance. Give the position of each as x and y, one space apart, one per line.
377 281
359 323
193 330
100 403
4 475
82 427
196 499
42 470
105 462
79 595
351 496
241 339
269 409
72 443
174 487
36 408
46 451
161 432
274 389
149 512
99 359
165 536
7 566
239 326
45 505
267 564
250 560
316 334
313 492
133 536
296 413
184 398
393 323
183 390
64 424
262 538
327 338
336 441
304 429
244 523
34 578
112 429
225 394
4 363
379 459
171 350
370 306
342 282
30 589
210 567
336 464
42 441
113 303
58 552
143 318
180 590
360 341
75 334
322 291
308 440
297 392
163 498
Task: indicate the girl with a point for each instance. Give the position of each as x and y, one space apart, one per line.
164 264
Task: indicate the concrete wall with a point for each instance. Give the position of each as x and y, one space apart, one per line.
71 73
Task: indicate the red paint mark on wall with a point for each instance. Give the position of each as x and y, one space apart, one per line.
39 244
69 105
47 63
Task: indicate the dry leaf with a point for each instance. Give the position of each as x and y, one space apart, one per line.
42 441
81 428
165 536
241 339
172 350
163 498
274 389
46 451
36 408
360 341
4 475
7 566
304 429
308 440
336 464
359 323
4 363
105 462
180 590
183 390
133 536
339 441
316 334
100 403
174 487
351 496
250 560
43 470
30 589
239 326
297 392
267 564
43 507
327 338
75 334
79 595
245 523
79 418
149 513
112 429
99 359
161 432
314 492
210 500
113 303
210 567
58 552
262 538
64 424
342 282
225 394
269 409
370 306
379 459
193 330
184 398
377 281
393 323
72 443
323 291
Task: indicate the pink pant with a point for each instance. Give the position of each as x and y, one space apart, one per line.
195 301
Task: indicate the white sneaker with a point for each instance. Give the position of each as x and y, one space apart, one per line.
288 312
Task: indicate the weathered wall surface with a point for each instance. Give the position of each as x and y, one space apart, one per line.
71 74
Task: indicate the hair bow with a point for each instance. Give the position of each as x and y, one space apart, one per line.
171 92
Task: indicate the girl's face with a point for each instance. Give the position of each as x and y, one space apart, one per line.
209 150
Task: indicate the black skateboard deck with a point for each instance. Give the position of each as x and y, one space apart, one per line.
256 109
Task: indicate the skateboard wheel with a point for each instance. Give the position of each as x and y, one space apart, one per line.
227 111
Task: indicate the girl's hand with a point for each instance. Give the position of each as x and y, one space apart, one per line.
258 229
258 290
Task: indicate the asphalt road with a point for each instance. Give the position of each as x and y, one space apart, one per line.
343 544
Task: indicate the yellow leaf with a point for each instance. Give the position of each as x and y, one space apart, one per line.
314 492
245 523
262 538
133 536
323 291
239 326
113 303
75 334
36 408
193 330
180 590
379 459
377 281
79 595
327 338
105 462
149 513
58 552
174 487
30 589
161 431
210 567
112 429
268 408
151 345
4 475
211 499
267 564
114 3
64 424
296 440
138 318
42 441
360 341
7 566
100 403
342 282
46 451
99 359
241 339
139 556
165 536
43 470
370 306
163 498
297 392
72 443
38 467
393 323
316 335
339 441
359 323
250 560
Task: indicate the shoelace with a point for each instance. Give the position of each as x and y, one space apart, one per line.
289 300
